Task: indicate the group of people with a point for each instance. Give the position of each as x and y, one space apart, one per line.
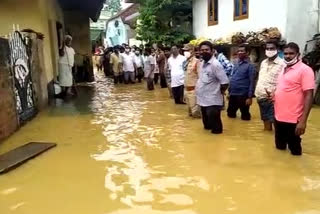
203 78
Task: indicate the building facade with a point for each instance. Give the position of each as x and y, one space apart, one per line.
31 33
297 20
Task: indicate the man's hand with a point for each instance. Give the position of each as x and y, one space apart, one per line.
301 128
249 102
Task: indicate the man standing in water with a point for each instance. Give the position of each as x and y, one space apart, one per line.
212 84
267 82
128 66
191 78
138 62
66 62
242 84
149 67
161 61
167 72
293 101
115 62
176 63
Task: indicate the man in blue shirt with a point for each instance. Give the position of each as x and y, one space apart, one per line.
242 84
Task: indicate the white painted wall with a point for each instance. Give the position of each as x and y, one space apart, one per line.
296 19
302 21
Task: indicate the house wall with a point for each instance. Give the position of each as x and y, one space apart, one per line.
78 25
302 21
261 14
35 15
297 20
8 115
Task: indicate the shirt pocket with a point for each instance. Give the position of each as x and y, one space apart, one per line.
206 78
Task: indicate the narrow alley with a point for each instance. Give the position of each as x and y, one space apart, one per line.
124 150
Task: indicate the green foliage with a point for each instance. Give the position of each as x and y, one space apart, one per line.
114 6
165 21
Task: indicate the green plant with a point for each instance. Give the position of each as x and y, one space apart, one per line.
165 21
114 6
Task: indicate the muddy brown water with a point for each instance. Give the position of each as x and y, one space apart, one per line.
124 150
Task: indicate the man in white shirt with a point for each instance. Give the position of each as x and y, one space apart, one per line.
138 61
128 66
176 66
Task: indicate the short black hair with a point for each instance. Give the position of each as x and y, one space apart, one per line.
166 48
293 46
147 50
273 41
207 43
246 47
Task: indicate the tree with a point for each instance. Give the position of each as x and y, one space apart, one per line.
114 6
165 21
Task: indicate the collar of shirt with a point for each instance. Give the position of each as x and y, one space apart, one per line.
210 61
245 61
294 67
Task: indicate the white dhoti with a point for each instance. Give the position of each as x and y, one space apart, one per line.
65 75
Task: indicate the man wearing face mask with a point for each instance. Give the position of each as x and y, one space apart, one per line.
267 82
293 100
212 84
138 62
128 66
242 84
191 78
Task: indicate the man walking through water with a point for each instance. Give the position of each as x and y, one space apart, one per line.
267 82
176 63
191 78
212 84
293 101
242 84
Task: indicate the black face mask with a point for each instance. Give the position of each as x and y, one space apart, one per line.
206 56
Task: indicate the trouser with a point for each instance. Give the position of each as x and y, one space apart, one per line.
150 84
236 103
163 81
285 135
116 78
139 74
193 108
156 78
211 117
129 77
178 94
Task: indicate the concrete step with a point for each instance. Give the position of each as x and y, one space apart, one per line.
22 154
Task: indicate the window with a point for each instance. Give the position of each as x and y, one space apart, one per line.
241 9
213 8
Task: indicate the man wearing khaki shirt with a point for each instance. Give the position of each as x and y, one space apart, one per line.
191 78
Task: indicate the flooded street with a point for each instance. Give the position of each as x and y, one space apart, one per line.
124 150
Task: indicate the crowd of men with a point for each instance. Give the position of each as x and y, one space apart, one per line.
203 78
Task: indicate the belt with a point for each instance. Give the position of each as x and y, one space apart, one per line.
190 88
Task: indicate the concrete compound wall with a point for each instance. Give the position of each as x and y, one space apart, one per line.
296 19
8 115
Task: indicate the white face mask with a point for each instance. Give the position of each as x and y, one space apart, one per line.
292 62
187 54
271 54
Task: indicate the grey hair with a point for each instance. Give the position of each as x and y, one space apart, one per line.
68 37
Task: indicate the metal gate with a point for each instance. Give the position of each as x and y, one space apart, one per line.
21 72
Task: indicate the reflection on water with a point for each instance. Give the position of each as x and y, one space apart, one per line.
125 150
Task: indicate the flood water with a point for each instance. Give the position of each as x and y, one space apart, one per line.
124 150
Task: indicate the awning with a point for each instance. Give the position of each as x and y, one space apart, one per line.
90 7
